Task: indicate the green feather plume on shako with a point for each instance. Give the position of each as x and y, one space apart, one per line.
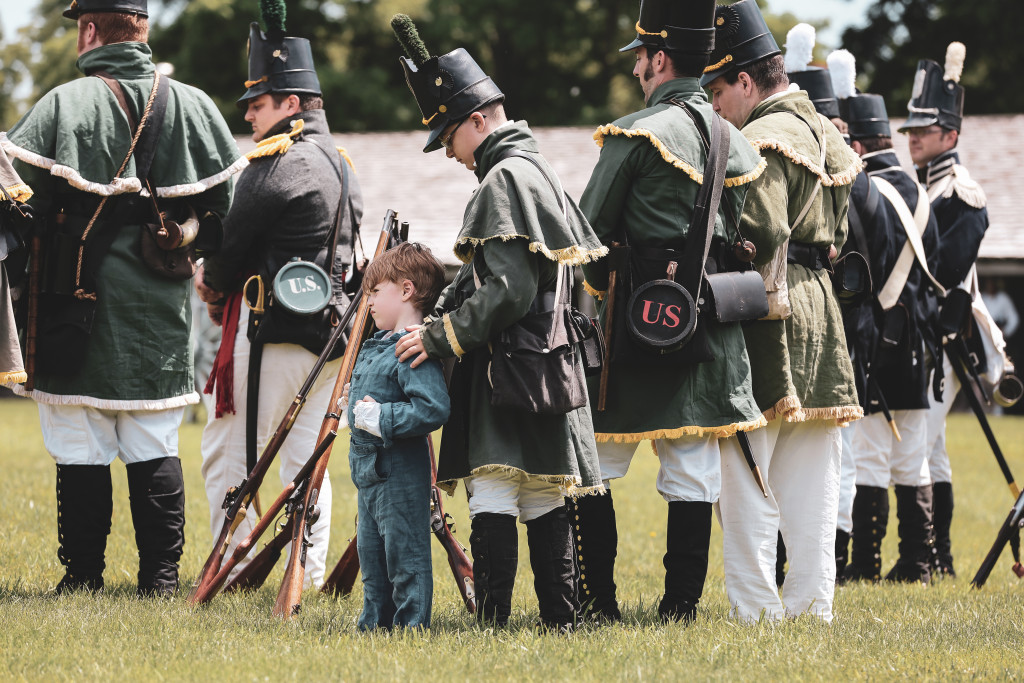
447 88
409 38
273 14
278 63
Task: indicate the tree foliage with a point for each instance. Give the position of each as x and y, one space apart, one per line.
557 62
900 32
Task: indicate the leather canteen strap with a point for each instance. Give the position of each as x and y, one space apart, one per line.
914 224
705 208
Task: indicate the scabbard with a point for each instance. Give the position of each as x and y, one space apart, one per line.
252 400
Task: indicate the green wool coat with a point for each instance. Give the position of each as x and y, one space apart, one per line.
514 235
801 365
72 142
642 191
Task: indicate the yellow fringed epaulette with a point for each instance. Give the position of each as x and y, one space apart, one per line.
20 192
344 155
276 144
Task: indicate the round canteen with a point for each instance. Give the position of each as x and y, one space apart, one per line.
302 287
662 314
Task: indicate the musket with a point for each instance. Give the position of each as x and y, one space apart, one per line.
255 574
290 496
238 498
444 530
1009 532
960 359
289 598
343 577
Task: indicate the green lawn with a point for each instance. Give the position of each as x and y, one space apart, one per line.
946 631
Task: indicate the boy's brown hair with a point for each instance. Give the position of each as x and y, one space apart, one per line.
408 261
117 27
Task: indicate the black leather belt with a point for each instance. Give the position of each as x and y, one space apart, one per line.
808 255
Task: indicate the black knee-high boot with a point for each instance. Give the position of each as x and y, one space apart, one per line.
870 519
84 507
942 518
494 542
914 510
686 559
554 571
596 545
157 492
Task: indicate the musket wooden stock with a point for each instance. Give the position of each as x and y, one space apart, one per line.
461 567
249 487
255 574
342 579
289 598
210 588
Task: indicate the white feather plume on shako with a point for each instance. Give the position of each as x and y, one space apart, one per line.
799 47
842 67
955 54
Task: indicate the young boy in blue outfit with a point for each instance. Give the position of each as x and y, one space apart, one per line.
393 408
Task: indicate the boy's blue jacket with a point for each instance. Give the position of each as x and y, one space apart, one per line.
414 401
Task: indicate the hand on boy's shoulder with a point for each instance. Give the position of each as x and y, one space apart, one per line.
411 346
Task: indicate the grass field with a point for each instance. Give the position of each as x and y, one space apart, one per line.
946 631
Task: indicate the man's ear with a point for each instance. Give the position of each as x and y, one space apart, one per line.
747 82
294 104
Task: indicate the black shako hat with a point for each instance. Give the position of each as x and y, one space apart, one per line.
818 85
741 38
816 81
278 63
685 26
938 96
125 6
864 113
865 116
447 88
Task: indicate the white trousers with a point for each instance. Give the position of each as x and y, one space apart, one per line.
512 493
938 458
82 435
800 463
284 369
847 479
882 460
689 467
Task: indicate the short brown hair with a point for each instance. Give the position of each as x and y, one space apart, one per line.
875 144
306 102
768 74
408 261
116 27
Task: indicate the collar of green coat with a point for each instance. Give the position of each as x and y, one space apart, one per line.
784 124
668 129
512 135
120 60
498 211
78 132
